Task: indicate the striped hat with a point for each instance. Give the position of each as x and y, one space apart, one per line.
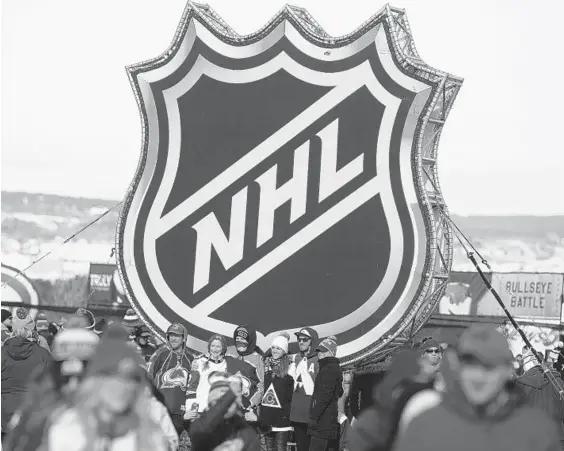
130 320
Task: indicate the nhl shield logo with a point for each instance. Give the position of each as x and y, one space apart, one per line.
279 183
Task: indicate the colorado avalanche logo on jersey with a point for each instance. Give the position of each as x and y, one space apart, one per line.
246 384
176 377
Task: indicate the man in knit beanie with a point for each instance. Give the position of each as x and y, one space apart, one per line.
324 424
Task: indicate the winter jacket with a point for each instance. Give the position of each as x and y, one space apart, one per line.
457 425
211 429
303 369
540 393
21 360
171 372
275 406
328 389
248 366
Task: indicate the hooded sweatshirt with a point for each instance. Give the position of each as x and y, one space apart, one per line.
508 424
21 360
540 393
171 372
304 369
249 367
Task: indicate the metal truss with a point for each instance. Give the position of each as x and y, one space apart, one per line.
439 260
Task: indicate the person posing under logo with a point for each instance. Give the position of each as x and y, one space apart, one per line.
247 365
170 369
323 427
304 367
274 414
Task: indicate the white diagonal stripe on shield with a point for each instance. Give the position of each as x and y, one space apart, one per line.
258 154
289 247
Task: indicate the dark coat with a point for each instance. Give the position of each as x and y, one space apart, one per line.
21 360
304 369
540 393
275 406
211 429
328 389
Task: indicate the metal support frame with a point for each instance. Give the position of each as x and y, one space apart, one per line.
440 262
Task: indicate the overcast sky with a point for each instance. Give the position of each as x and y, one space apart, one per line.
70 123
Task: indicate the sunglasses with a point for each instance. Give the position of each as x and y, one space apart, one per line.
304 339
432 351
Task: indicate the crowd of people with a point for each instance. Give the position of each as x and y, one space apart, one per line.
102 385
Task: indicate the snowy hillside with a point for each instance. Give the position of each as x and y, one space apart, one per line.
34 224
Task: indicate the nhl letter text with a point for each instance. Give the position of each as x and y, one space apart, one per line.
331 180
295 191
210 234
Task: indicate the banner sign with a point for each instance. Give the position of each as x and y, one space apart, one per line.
526 295
104 285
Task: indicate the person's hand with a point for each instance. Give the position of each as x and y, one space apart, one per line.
191 415
312 424
251 416
236 444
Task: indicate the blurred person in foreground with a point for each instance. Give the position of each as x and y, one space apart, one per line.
49 392
222 426
541 393
323 426
22 358
111 409
482 407
377 427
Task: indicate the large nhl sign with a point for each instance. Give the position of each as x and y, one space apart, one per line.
281 182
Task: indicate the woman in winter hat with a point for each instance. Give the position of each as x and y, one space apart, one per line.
110 410
274 414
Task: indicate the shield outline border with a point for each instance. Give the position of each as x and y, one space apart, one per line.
406 61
